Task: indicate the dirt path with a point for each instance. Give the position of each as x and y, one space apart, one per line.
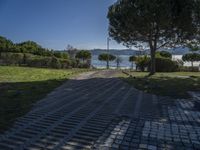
98 111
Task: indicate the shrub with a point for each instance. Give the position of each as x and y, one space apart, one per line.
12 58
166 65
84 65
39 62
65 63
55 63
83 55
188 69
142 62
164 54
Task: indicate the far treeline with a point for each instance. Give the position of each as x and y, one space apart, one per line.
31 54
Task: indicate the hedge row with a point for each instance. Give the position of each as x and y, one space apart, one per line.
39 61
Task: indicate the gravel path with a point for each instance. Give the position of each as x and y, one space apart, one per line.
96 111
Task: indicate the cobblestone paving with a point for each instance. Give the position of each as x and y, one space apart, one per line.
105 113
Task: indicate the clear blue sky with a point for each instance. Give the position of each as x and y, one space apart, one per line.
56 23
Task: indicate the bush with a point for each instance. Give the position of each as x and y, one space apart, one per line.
142 62
39 62
164 54
8 58
166 65
55 63
48 62
65 63
188 69
84 65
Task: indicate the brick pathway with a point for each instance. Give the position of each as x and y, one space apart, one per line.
105 113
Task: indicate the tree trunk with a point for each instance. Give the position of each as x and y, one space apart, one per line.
107 64
192 65
132 65
153 62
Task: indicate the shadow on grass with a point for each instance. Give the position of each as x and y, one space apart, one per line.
166 86
16 99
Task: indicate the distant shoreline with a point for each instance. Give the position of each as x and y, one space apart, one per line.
127 65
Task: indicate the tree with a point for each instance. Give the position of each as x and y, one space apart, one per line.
193 46
191 57
83 55
118 61
154 23
5 44
62 55
142 62
33 48
71 51
164 54
132 59
105 57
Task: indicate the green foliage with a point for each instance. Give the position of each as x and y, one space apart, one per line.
29 47
191 57
166 65
188 69
142 62
155 23
32 54
83 55
164 54
62 55
118 60
132 58
105 57
193 46
11 58
55 63
5 44
163 64
65 63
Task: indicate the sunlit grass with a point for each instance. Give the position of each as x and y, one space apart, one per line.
20 87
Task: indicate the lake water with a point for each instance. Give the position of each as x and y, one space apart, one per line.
102 64
125 64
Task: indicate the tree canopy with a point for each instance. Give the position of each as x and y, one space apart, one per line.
105 57
191 57
164 54
84 55
154 23
30 47
5 44
132 58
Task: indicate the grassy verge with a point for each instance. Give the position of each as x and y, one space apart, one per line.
20 87
175 84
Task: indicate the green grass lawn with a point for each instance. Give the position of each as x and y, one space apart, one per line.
175 84
20 87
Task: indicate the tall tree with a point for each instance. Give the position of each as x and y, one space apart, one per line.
71 51
5 44
154 23
191 57
118 61
83 55
106 57
132 59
